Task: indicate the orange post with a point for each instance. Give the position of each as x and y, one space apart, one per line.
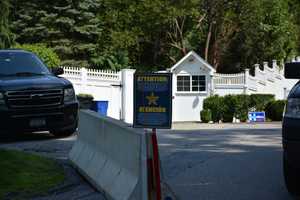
156 166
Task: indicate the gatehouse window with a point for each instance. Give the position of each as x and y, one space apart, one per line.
198 83
191 83
183 83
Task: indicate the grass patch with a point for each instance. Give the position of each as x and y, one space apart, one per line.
24 175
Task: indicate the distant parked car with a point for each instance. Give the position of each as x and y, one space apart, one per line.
33 98
291 132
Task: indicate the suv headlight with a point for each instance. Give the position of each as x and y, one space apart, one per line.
69 95
292 109
2 101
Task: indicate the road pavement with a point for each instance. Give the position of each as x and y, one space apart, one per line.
200 162
234 162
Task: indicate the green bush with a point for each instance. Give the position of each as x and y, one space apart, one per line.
206 115
229 109
85 101
229 106
216 105
274 110
47 55
242 107
260 101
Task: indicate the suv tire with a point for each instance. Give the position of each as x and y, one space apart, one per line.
63 133
291 177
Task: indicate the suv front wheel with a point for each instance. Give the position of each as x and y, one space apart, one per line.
63 133
291 176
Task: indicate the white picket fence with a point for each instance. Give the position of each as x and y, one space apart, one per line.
270 80
104 85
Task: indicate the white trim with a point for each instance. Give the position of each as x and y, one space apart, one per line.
187 93
192 53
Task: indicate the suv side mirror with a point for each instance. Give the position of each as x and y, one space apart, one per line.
292 70
57 71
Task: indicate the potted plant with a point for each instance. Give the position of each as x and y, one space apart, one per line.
85 101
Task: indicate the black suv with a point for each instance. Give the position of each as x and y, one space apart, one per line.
291 132
32 98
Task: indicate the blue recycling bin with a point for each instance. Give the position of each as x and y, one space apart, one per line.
100 107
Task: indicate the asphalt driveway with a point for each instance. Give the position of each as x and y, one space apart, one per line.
208 162
234 162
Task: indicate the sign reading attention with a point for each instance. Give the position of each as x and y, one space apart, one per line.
153 100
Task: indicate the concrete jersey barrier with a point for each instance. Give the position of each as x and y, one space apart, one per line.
112 156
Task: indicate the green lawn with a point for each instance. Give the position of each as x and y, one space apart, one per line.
24 175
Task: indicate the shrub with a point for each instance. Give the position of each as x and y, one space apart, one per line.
274 110
47 55
260 101
216 105
85 101
242 107
206 115
229 106
229 109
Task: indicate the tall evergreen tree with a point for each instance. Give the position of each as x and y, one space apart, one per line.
71 27
154 34
5 35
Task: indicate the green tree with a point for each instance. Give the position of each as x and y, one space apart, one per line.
5 34
266 31
71 27
47 55
151 35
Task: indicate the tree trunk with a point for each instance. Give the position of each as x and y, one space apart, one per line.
208 41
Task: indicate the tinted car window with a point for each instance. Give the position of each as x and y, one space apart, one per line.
18 62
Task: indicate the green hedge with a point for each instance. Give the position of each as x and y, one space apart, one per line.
274 110
206 115
229 110
216 105
47 55
242 107
260 101
229 106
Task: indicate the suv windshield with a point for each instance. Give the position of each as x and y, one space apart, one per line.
21 63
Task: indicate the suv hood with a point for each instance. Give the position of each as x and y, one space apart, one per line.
32 82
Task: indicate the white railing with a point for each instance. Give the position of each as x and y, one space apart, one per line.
251 82
269 74
93 74
260 75
229 79
83 74
270 80
72 73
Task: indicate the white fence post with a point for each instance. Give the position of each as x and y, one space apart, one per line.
84 77
266 65
127 95
256 66
247 73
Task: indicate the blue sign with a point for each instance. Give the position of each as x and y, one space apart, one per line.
153 100
257 116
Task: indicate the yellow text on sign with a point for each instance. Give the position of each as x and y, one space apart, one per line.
152 79
152 109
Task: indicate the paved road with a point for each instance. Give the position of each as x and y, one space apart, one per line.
212 162
231 163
